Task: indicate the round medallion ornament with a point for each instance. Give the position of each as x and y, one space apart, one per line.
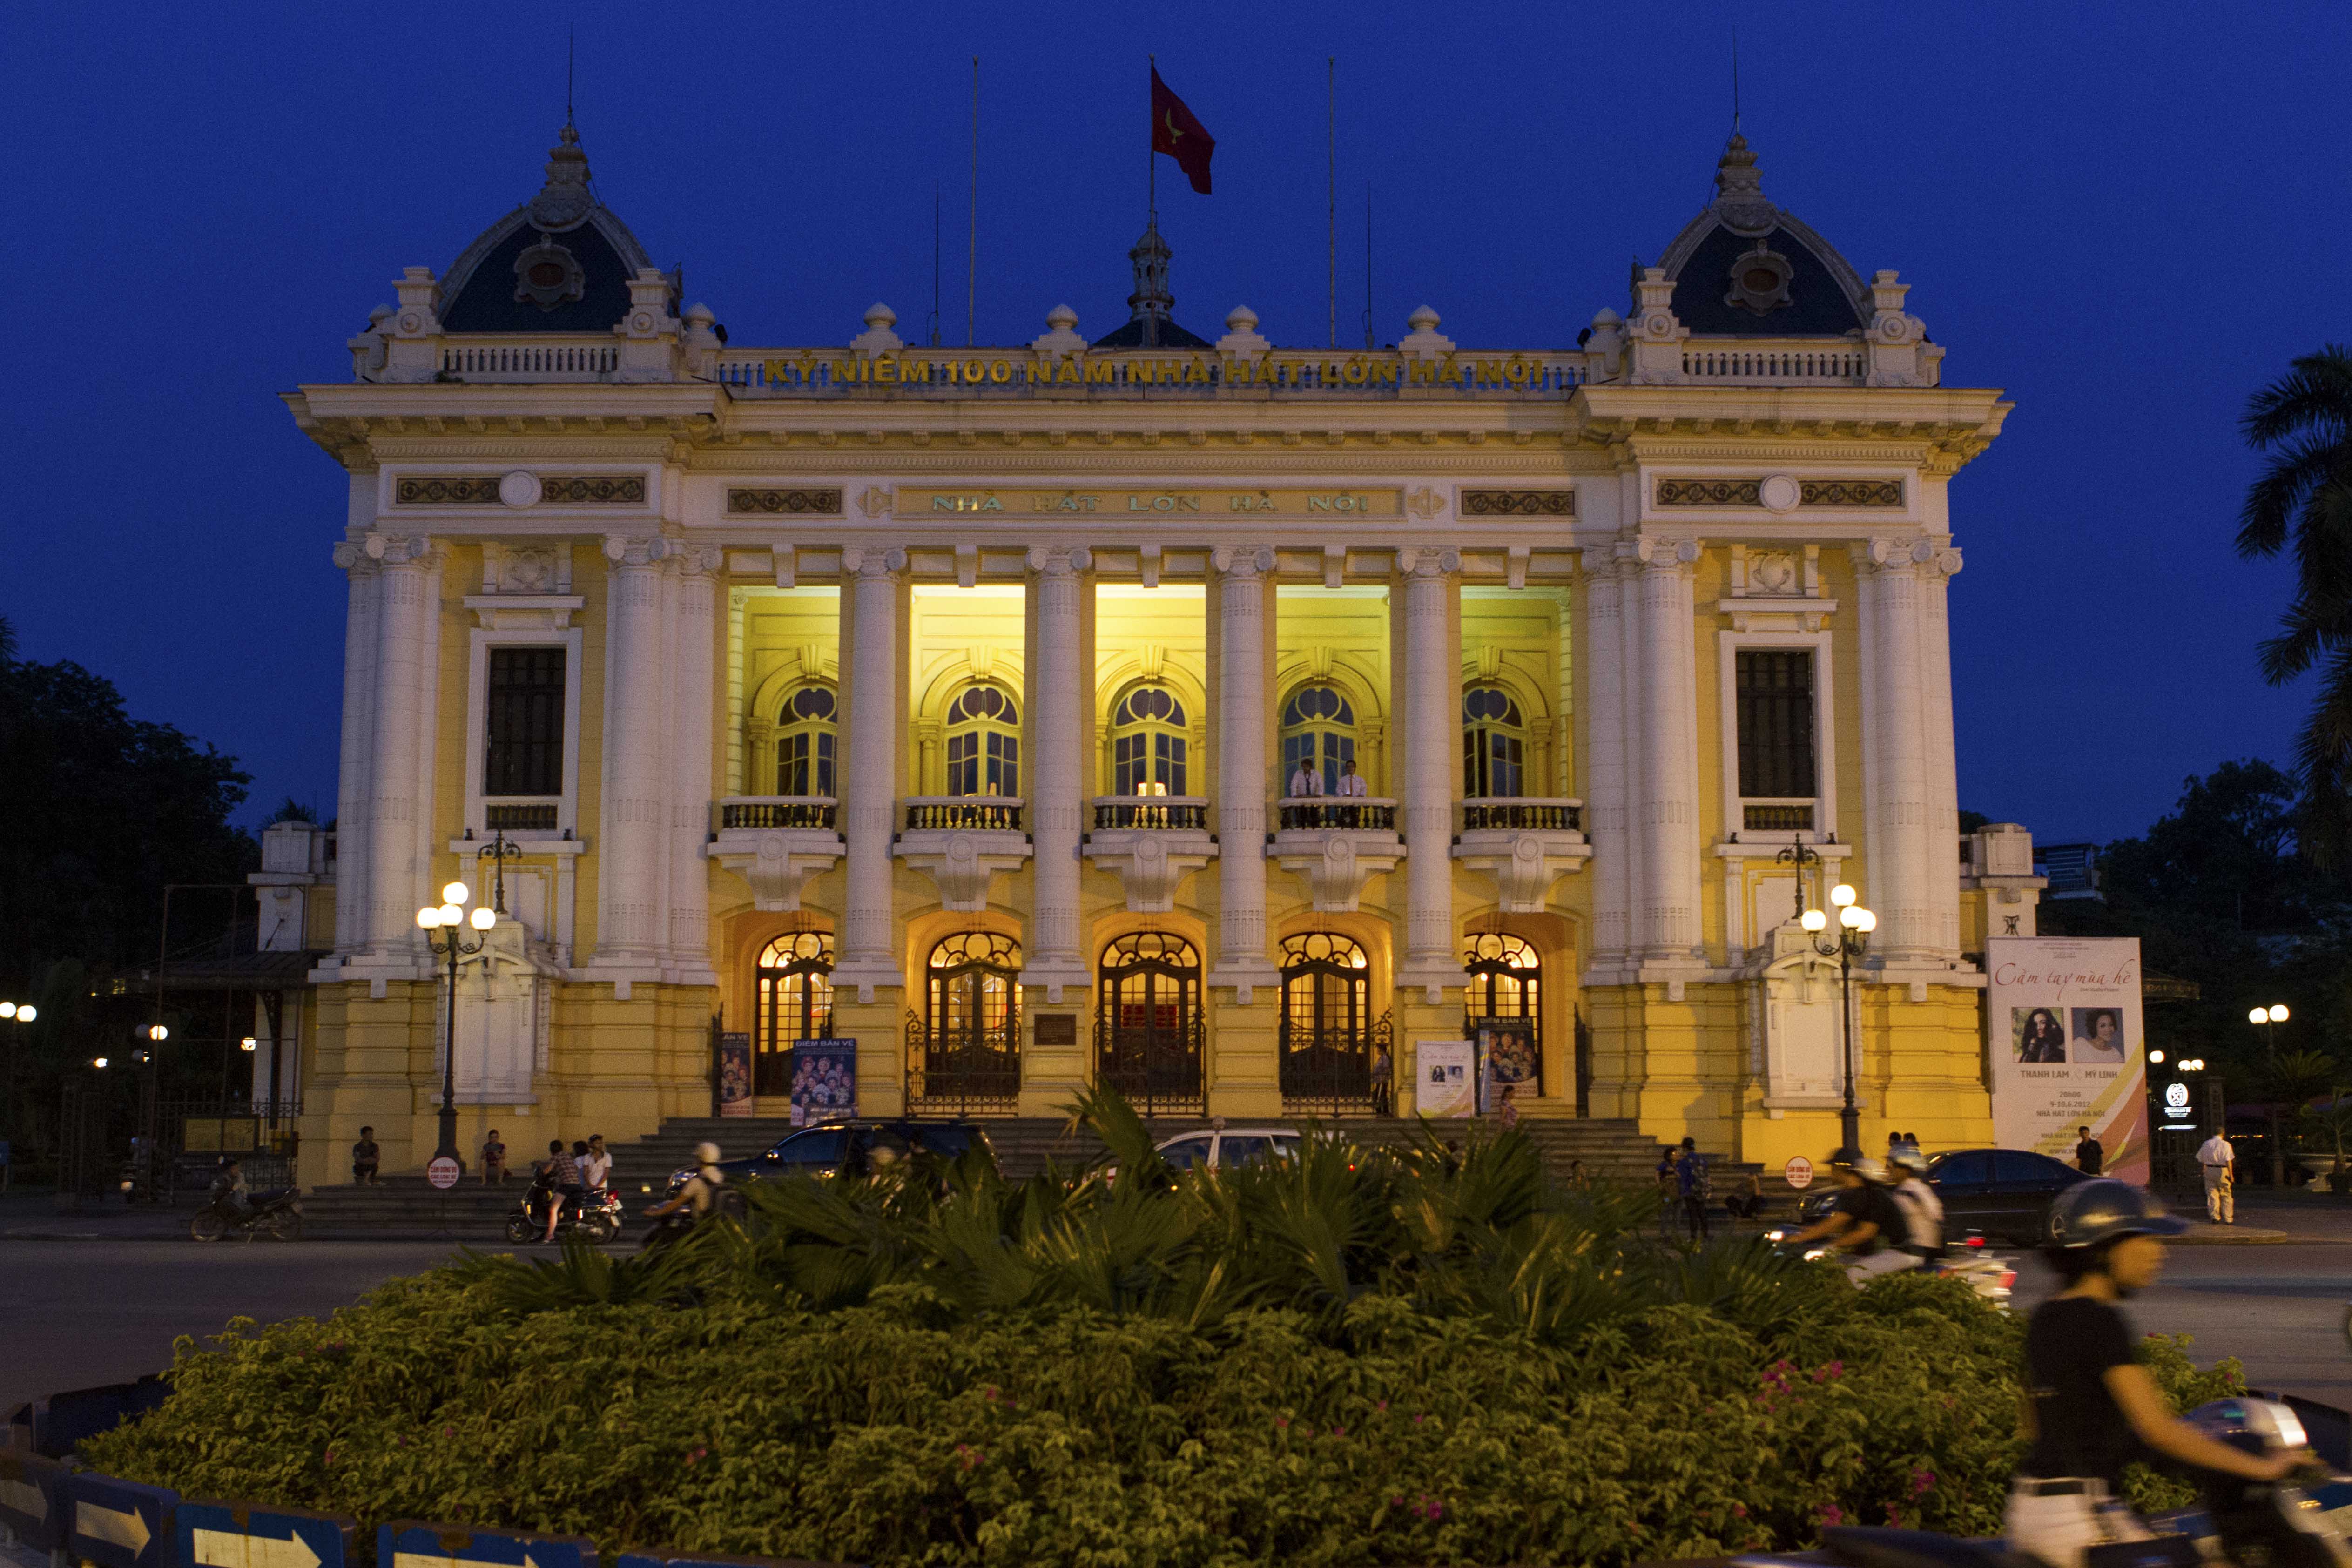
519 490
1779 493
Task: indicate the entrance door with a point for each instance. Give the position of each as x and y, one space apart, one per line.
965 1055
1148 1033
1332 1050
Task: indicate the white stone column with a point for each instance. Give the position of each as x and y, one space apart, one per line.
354 792
1433 737
1241 778
694 677
1895 789
1057 771
1666 929
408 601
629 886
869 799
1943 770
1600 653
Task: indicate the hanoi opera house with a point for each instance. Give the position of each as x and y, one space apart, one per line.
1206 718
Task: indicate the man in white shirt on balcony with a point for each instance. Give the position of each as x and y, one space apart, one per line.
1351 787
1305 781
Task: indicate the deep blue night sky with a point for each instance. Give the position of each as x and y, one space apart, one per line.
2128 216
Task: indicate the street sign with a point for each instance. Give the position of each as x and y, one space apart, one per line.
33 1498
242 1535
407 1544
1797 1172
119 1524
443 1173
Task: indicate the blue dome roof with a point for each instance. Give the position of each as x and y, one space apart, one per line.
1746 268
560 263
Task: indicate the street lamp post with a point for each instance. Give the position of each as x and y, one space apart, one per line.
451 916
2270 1017
20 1012
1854 925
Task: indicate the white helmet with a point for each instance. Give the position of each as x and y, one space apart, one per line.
706 1154
1870 1169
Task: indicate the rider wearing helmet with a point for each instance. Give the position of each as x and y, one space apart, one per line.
1863 1223
2091 1407
1923 1211
692 1201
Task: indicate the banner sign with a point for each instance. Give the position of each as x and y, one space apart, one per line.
2063 1017
119 1524
734 1078
250 1535
33 1498
405 1544
1506 1060
1446 1077
824 1080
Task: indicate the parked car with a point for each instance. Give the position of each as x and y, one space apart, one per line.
849 1148
1212 1148
2004 1193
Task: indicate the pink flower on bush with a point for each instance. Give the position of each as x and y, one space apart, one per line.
1739 1510
1282 1420
1895 1519
1381 1406
1830 1513
697 1457
1834 1370
330 1455
1417 1420
969 1456
1338 1431
1922 1482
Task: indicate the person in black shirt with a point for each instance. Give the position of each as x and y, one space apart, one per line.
1863 1223
2091 1407
2090 1155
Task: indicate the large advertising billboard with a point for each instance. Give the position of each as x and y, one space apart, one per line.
2062 1014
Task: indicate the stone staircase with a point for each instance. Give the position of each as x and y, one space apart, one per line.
1612 1151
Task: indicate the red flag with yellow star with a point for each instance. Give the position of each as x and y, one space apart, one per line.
1176 133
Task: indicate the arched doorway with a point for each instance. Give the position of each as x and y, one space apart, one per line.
983 743
1504 999
1148 1037
1148 743
1332 1050
964 1053
807 737
795 1002
1494 744
1318 729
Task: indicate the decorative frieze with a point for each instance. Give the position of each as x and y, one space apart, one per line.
1518 503
785 503
484 489
1751 493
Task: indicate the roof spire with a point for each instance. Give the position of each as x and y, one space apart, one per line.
1150 305
1739 199
564 202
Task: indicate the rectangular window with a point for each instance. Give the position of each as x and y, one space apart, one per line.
523 754
1775 694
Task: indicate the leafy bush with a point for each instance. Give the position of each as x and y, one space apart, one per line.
1353 1359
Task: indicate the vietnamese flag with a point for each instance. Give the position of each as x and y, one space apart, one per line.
1176 133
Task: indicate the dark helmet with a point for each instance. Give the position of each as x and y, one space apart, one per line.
2104 1208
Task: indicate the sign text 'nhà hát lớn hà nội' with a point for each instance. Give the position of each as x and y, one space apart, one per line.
919 501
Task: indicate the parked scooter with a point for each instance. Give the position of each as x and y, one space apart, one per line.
593 1216
278 1216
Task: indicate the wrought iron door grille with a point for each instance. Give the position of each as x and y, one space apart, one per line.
963 1072
1328 1072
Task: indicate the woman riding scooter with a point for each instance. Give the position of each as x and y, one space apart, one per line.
2091 1407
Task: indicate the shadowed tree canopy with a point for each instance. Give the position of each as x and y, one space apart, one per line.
103 811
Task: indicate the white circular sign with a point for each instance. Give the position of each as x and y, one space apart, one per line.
518 488
1797 1172
443 1173
2176 1096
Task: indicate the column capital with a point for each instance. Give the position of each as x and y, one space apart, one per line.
1428 563
873 562
698 561
625 551
1661 552
354 559
1904 554
1060 562
1230 561
391 549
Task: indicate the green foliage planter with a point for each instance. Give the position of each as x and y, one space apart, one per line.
1372 1404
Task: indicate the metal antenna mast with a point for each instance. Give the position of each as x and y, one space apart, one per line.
1331 143
972 282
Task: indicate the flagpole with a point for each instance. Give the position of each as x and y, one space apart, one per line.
972 279
1331 143
1150 157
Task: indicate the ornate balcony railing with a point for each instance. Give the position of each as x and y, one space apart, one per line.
528 361
1332 1072
1777 817
963 1072
1522 811
1369 813
1001 811
519 817
1151 811
776 811
1160 1071
1808 363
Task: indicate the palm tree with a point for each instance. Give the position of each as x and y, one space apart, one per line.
2302 502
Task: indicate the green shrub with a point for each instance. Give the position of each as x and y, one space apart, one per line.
1353 1359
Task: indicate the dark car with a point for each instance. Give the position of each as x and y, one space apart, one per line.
851 1148
2005 1193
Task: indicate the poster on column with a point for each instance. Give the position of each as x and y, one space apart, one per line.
824 1080
734 1074
2063 1017
1446 1077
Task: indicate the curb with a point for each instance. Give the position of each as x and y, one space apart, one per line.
2232 1236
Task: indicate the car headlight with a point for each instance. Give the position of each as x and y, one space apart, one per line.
1815 1254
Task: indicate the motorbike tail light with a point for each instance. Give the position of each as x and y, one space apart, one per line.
2008 1278
1976 1241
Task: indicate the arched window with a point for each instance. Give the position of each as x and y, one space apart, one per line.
965 1054
1148 1032
1332 1050
983 743
1319 727
795 974
807 737
1149 744
1503 999
1494 744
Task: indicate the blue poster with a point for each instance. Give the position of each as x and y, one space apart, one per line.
824 1080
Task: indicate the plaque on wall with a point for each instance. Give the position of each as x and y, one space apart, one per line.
1055 1029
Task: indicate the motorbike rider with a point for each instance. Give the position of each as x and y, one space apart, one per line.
2090 1406
1864 1225
1923 1211
692 1203
229 1193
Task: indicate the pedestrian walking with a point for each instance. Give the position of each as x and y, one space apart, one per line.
2218 1160
2090 1157
1384 1082
366 1157
494 1160
1693 1183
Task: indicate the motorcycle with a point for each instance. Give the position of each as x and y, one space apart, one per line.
1969 1259
594 1216
276 1214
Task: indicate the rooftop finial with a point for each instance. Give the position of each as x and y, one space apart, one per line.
1739 199
1150 304
564 202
